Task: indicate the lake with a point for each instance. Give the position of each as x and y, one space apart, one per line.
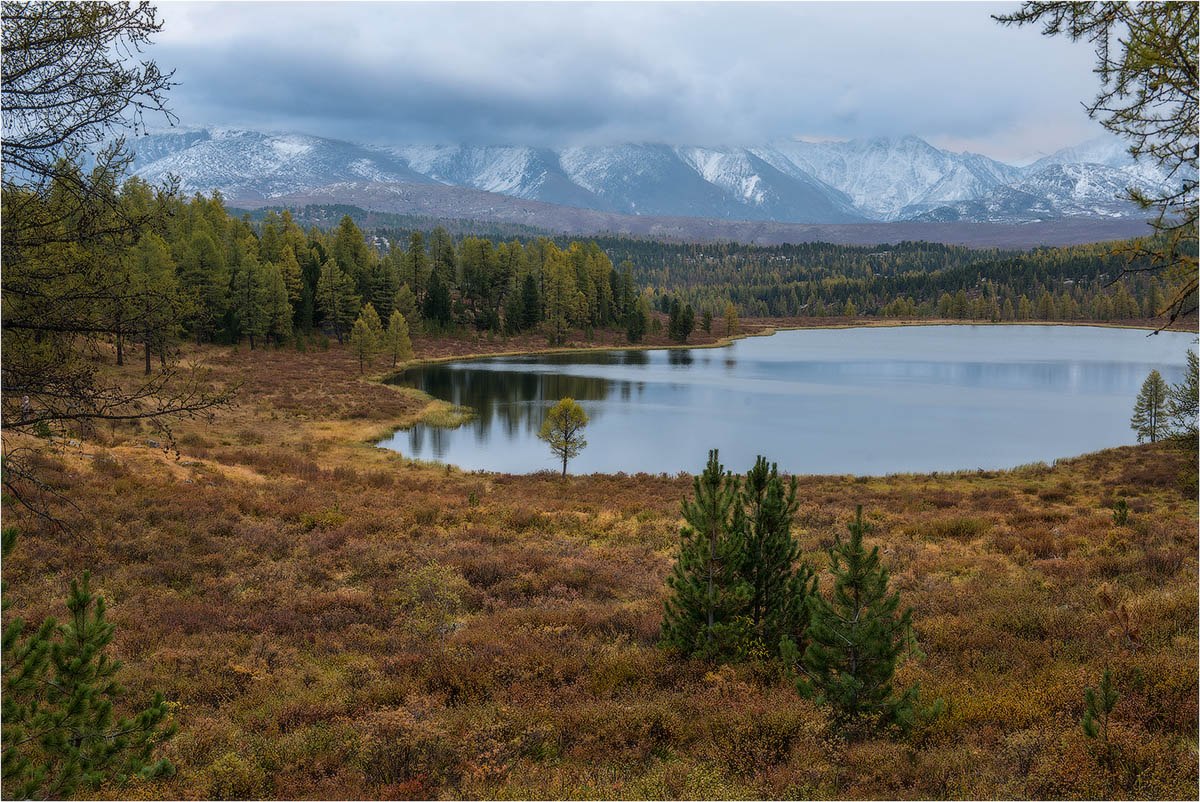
865 401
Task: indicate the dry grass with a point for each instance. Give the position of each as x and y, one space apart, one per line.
333 621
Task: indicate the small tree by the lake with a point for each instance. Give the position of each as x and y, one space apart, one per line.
1150 410
563 430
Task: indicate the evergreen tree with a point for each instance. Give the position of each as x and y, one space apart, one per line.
705 614
706 320
778 581
1150 410
60 733
531 303
857 638
396 339
437 302
731 319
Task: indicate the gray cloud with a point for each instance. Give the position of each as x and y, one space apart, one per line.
555 74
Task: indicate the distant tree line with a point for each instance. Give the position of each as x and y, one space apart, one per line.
906 280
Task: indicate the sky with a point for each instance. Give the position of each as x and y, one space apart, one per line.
560 74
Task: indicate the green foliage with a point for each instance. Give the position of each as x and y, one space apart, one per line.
366 337
856 640
1146 62
335 298
738 587
396 339
705 614
1183 400
636 321
780 583
563 430
1150 409
60 732
1098 704
1121 512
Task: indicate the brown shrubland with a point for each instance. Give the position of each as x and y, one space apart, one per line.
331 620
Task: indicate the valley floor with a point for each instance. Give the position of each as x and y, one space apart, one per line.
334 621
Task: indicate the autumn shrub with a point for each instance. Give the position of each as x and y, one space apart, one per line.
416 757
232 776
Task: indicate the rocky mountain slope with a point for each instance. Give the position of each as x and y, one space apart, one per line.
880 179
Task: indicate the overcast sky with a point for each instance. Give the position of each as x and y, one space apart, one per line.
684 73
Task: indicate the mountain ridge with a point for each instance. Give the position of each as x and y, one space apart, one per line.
882 179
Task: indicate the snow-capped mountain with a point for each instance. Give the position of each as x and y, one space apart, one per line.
879 179
249 164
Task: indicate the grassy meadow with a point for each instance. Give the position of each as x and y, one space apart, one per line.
331 620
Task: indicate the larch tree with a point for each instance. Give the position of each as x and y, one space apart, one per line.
1183 403
276 307
396 339
1146 61
560 295
563 430
365 336
731 319
75 80
336 299
1150 409
249 292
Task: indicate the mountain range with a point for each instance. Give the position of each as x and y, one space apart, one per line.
860 181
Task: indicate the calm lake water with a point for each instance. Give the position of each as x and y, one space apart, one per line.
863 401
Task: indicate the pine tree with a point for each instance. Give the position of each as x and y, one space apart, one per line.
778 581
396 339
1150 410
531 303
731 319
437 302
60 733
1098 704
857 638
705 615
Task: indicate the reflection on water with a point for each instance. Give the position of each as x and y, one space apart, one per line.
853 400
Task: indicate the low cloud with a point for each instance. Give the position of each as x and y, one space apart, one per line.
561 74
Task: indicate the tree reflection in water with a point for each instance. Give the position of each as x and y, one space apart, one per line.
513 395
